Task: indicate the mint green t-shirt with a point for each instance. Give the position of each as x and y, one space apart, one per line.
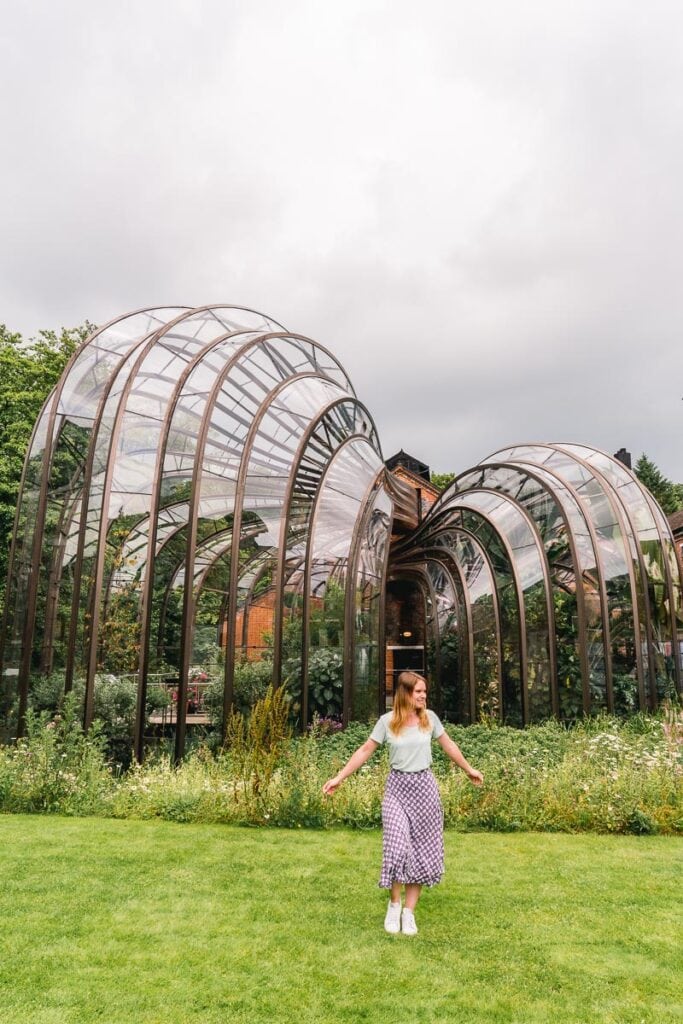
411 751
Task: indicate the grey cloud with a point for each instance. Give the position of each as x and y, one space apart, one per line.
478 207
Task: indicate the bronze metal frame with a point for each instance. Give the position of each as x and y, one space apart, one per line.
617 507
367 505
51 408
73 511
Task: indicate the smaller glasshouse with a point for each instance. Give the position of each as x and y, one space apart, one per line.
205 507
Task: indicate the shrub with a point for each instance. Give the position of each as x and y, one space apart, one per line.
255 746
251 682
56 767
605 775
114 707
326 681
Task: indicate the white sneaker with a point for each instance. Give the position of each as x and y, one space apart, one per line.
408 926
392 922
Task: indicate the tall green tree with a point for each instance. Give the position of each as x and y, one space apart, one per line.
442 480
29 369
668 494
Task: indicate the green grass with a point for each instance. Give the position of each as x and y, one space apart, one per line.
156 923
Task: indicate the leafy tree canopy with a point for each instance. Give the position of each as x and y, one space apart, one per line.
442 480
29 369
668 494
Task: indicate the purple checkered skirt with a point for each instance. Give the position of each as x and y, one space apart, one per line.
412 818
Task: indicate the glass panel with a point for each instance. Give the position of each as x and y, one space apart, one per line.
488 598
615 559
249 395
445 612
657 559
553 511
339 505
369 586
76 401
512 525
134 422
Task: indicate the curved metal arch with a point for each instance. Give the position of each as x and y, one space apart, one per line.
604 606
318 373
442 553
469 639
9 603
237 514
240 484
155 501
180 564
368 505
180 567
51 407
108 583
143 345
533 472
518 597
265 558
87 483
466 630
312 522
545 563
660 525
632 535
497 579
200 583
548 589
96 587
617 509
54 576
442 557
284 524
383 606
539 472
448 564
174 529
118 415
436 629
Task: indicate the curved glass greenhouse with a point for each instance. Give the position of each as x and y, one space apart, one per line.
204 491
551 588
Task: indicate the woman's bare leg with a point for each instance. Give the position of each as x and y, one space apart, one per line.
396 892
412 896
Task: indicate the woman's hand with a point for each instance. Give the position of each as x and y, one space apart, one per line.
358 758
332 785
475 777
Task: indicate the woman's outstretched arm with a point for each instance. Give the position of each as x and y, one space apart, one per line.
358 758
457 757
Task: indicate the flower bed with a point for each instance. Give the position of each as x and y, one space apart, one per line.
602 775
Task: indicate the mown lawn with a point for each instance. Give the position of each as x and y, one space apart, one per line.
156 923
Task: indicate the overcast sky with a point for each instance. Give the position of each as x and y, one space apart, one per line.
477 206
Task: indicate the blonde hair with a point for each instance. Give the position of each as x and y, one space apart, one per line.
403 705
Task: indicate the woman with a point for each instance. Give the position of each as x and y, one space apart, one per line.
412 815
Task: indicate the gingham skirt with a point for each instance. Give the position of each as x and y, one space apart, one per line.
412 819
